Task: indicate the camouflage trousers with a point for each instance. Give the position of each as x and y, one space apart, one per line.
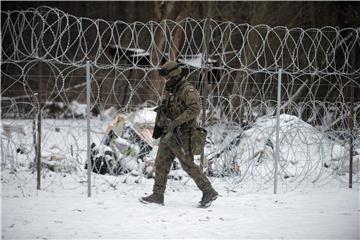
165 157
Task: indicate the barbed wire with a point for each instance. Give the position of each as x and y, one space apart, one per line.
50 34
44 51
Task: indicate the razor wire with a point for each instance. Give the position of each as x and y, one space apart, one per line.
44 51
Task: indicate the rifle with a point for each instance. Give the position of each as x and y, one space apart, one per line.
177 135
162 121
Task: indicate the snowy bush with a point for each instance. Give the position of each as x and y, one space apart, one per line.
303 149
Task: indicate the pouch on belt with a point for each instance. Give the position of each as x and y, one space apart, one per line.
198 140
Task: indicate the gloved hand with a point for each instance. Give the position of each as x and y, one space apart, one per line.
170 128
168 132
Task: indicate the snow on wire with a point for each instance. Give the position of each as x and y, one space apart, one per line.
320 71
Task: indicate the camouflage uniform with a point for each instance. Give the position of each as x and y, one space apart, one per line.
183 106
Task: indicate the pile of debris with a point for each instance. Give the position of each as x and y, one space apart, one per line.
127 146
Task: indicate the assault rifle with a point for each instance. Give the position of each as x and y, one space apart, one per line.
162 122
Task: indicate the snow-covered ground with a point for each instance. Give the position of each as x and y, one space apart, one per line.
62 210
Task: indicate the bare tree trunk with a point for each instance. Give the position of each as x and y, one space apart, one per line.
178 38
243 84
163 10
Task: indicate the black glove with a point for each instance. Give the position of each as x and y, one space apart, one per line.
168 132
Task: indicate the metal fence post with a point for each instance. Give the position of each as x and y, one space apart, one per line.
203 162
351 126
40 104
88 89
277 149
38 162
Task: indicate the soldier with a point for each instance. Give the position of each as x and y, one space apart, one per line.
176 126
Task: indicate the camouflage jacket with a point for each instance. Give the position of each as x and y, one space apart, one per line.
183 104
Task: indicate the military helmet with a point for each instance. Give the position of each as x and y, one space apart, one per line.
171 69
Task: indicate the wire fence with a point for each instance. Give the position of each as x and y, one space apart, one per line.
234 66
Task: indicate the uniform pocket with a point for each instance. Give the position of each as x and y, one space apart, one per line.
198 139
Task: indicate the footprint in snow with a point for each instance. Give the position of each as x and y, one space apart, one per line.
207 218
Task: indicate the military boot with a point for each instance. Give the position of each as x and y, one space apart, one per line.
207 198
153 198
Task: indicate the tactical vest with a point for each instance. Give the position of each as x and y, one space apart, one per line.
175 104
